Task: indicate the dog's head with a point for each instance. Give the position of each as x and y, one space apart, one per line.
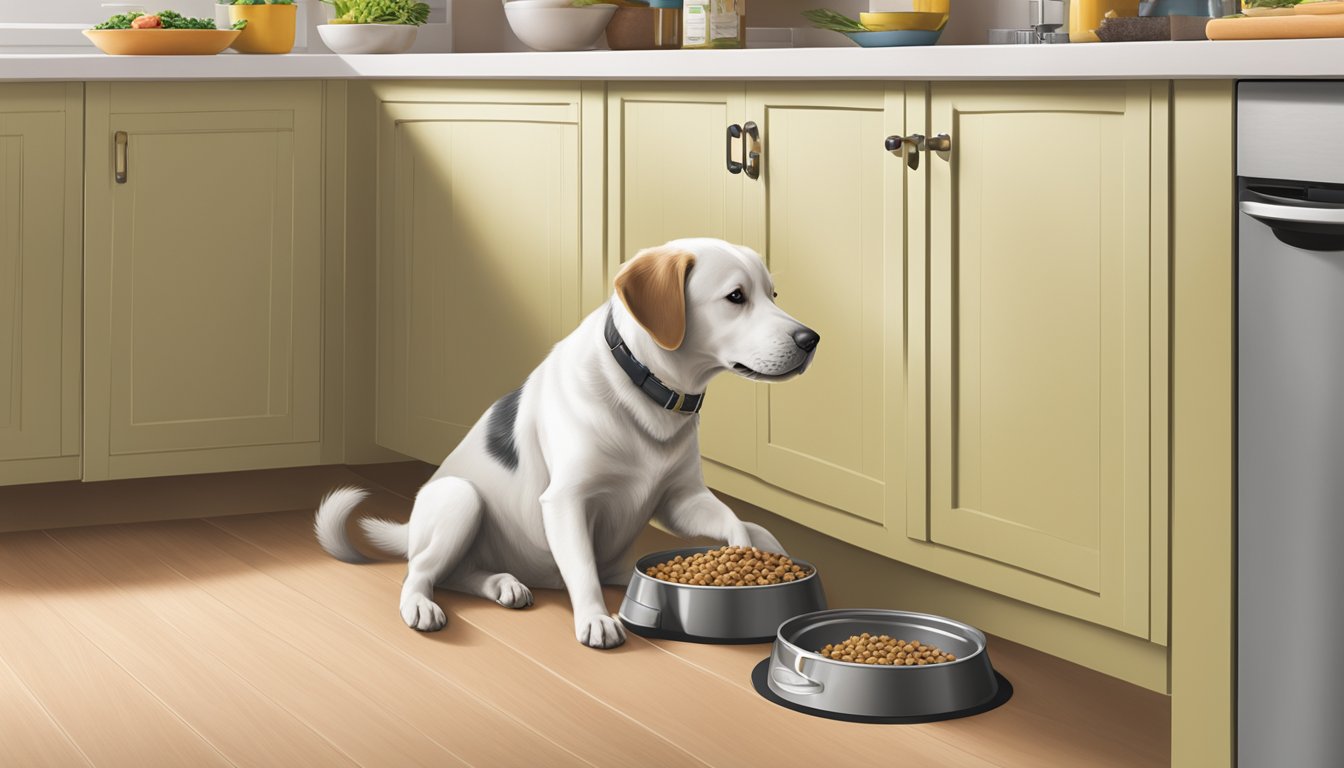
711 304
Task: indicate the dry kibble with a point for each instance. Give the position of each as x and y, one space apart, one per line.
729 567
885 650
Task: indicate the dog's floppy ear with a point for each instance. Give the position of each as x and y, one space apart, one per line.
653 287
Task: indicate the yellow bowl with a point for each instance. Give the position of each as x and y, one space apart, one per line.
162 42
270 28
893 21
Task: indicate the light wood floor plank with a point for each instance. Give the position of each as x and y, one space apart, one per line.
728 725
478 662
389 679
309 691
246 727
104 711
28 734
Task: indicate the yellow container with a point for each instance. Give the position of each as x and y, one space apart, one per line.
903 20
1086 15
270 28
932 6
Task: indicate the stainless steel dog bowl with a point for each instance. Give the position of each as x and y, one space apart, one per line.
800 675
714 614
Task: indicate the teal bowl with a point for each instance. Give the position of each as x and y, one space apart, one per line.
894 38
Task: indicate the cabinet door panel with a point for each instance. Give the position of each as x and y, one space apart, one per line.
211 279
39 282
479 257
1040 322
669 180
202 310
823 215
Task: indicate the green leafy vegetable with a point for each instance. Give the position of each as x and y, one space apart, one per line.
1269 3
379 12
166 20
836 22
120 21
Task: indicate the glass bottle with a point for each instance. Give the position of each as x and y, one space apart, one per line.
714 24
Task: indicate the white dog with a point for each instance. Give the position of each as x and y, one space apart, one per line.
553 484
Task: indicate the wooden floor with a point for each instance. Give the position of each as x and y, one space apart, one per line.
237 641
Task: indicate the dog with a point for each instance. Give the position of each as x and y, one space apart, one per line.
557 478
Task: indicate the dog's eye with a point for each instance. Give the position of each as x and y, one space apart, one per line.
737 297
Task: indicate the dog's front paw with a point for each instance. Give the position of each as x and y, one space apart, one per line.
738 535
513 593
600 631
419 612
763 540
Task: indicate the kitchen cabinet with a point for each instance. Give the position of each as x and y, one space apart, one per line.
667 179
826 214
41 136
989 401
815 212
478 221
203 277
1047 326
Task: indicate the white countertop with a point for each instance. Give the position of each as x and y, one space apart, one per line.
1265 59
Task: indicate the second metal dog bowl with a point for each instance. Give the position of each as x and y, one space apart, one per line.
798 674
714 614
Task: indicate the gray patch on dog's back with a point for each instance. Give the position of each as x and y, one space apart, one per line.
499 431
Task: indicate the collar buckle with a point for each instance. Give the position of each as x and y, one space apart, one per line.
666 397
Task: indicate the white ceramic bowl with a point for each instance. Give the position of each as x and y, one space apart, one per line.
558 29
367 38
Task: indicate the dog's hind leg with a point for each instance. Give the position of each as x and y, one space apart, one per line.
503 588
444 522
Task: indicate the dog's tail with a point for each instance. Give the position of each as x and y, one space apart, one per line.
329 525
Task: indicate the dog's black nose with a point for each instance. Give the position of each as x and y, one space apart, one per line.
806 339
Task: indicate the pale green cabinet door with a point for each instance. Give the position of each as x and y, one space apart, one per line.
478 257
204 277
667 179
40 220
1047 339
827 214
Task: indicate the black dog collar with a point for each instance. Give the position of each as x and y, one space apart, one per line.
666 397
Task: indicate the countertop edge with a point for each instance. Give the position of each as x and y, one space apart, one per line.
1260 59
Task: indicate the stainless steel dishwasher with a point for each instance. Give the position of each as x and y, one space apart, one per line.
1290 432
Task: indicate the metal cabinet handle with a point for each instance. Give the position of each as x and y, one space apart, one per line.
734 132
1293 213
907 147
119 157
751 150
940 143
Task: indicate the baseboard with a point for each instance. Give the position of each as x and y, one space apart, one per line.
74 503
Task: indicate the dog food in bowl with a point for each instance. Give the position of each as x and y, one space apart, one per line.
885 650
729 567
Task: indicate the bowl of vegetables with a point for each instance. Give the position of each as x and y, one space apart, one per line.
883 30
373 26
166 33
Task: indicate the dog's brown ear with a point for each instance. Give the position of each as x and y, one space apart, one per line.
653 287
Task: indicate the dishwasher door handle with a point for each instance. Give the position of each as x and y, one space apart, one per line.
1293 213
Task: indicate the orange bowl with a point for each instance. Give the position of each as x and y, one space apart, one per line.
162 42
